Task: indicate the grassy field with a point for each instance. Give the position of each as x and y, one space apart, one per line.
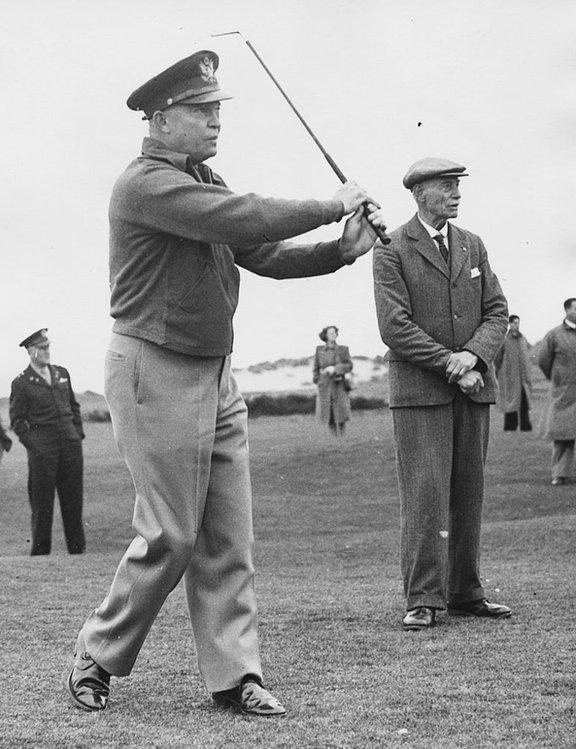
330 599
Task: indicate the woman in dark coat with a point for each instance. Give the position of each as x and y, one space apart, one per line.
332 365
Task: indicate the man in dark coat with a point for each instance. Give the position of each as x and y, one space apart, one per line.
442 313
557 360
5 441
512 366
46 417
177 235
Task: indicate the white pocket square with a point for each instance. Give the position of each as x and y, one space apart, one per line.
474 273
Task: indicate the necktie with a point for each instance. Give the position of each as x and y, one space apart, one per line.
442 246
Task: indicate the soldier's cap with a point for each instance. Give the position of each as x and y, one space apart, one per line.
189 81
39 338
431 167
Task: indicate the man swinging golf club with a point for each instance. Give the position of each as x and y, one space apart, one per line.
177 234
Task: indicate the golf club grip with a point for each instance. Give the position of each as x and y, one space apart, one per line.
382 236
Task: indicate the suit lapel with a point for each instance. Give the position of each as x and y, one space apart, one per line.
458 251
426 246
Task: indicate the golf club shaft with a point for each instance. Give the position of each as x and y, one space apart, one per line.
329 159
339 173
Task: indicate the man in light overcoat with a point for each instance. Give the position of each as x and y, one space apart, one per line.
443 316
557 360
512 365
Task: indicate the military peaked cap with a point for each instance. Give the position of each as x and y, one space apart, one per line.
39 338
431 167
189 81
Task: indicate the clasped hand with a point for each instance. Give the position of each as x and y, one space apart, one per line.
471 382
459 363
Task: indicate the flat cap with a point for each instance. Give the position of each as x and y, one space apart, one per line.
39 338
189 81
431 167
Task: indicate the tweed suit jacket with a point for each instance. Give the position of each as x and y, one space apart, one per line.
426 311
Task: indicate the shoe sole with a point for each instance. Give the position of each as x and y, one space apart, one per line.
417 627
76 702
459 612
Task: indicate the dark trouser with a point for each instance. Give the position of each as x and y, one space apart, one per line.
562 458
55 464
511 418
440 455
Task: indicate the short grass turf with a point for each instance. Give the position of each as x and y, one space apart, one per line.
330 600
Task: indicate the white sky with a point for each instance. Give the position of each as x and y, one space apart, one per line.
491 81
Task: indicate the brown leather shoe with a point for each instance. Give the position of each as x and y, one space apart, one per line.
88 683
250 698
420 618
482 607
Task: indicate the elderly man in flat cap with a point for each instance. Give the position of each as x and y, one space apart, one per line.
443 316
177 234
46 417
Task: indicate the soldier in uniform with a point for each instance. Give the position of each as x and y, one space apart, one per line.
177 234
46 417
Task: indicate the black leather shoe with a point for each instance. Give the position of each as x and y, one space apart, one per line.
559 481
420 618
482 607
250 698
88 683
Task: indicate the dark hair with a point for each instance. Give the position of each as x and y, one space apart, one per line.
568 303
513 317
323 333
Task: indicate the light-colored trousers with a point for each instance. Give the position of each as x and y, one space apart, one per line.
440 456
562 458
181 426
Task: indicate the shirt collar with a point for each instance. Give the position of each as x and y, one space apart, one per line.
157 150
38 372
432 231
569 324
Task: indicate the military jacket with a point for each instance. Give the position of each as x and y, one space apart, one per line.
36 406
177 234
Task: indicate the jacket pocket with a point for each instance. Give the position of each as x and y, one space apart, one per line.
116 357
208 292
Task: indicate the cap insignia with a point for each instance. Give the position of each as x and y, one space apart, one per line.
206 66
